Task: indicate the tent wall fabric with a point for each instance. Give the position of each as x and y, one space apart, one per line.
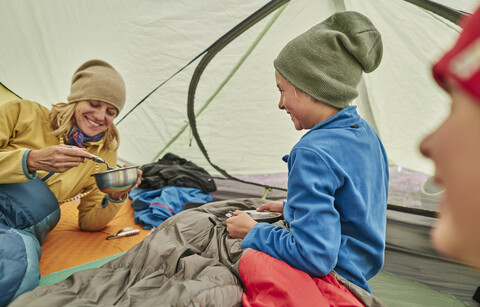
152 43
159 45
6 94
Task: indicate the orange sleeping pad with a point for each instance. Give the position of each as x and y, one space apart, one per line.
66 246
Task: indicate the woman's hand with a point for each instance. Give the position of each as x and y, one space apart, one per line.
121 194
274 206
57 159
239 225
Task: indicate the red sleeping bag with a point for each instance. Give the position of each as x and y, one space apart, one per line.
272 282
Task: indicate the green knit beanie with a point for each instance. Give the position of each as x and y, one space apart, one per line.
98 80
326 62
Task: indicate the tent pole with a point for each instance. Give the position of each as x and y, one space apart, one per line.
223 83
444 11
215 48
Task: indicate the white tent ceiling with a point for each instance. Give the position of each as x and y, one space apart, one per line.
43 42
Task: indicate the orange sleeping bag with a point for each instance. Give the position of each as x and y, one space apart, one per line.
66 246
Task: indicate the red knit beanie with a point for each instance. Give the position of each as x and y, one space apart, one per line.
462 62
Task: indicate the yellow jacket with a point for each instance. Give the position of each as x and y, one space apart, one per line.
25 125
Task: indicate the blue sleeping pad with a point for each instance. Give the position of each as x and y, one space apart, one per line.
25 219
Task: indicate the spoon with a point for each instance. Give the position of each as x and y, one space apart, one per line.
100 160
124 232
97 159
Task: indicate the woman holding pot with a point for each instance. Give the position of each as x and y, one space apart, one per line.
57 146
38 142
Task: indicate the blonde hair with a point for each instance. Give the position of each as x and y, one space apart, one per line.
62 119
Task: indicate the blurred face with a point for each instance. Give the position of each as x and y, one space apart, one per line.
94 117
455 149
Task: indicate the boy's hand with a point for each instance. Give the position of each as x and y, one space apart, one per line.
239 225
274 206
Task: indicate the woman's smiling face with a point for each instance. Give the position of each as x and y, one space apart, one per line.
94 117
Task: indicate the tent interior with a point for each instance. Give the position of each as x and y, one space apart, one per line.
200 84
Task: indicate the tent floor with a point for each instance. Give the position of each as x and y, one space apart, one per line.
409 254
389 287
411 264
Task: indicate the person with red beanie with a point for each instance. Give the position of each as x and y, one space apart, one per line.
454 147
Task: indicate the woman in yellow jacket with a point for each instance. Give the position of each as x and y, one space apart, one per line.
56 145
36 141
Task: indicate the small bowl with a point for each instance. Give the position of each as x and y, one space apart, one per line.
117 179
264 216
261 216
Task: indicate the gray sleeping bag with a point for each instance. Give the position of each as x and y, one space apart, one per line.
186 261
189 260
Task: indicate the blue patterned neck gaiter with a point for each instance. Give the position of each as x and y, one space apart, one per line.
77 138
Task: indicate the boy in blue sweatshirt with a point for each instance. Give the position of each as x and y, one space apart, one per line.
336 203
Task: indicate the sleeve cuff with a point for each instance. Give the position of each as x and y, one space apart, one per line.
24 166
247 241
107 199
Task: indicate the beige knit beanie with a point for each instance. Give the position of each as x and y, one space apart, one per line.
327 61
98 80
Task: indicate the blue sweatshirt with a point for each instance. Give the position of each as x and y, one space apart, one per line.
336 202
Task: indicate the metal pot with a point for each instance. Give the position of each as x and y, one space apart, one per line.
117 179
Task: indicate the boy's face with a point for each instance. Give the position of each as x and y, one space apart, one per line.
293 103
455 149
